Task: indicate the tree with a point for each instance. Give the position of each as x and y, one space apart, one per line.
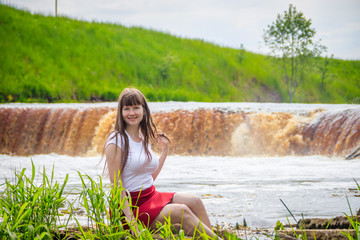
290 39
323 67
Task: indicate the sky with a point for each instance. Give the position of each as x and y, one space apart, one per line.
228 23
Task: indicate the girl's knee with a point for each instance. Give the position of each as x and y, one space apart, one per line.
175 210
181 209
197 199
184 215
192 201
196 202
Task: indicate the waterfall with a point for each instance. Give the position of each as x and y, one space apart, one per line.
82 131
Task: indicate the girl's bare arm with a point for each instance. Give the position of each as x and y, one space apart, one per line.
165 149
113 159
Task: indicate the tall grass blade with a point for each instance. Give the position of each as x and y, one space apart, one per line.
32 171
357 184
289 211
59 194
21 215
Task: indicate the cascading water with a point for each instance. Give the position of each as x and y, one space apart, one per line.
72 131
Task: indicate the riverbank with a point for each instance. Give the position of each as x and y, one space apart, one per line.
36 203
54 65
228 232
232 188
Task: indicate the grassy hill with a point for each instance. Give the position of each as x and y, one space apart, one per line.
48 59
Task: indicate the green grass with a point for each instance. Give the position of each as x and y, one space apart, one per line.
58 59
29 210
353 219
33 209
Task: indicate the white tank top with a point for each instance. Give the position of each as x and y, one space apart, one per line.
137 173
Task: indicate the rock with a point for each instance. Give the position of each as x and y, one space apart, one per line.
321 228
341 222
313 223
318 234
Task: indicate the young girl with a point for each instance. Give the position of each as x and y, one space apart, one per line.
128 150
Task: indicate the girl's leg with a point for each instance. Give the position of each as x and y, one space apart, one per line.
195 204
180 213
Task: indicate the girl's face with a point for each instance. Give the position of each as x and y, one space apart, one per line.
133 115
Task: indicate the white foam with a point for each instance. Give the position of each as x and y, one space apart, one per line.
225 106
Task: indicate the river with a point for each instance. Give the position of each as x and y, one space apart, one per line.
234 182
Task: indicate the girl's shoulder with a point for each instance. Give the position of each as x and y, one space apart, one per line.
115 138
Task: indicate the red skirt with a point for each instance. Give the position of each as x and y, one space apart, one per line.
149 204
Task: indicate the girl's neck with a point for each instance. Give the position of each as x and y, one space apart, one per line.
134 133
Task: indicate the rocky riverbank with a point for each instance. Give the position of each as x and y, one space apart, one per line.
313 228
341 227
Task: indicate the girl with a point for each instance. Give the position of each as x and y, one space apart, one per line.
128 150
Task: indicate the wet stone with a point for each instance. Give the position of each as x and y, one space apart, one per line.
322 228
341 222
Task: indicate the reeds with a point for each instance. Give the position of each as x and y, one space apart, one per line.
353 220
33 208
31 211
103 210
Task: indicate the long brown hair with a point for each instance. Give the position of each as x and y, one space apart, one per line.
131 97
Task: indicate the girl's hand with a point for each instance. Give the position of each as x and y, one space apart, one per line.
134 230
165 141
